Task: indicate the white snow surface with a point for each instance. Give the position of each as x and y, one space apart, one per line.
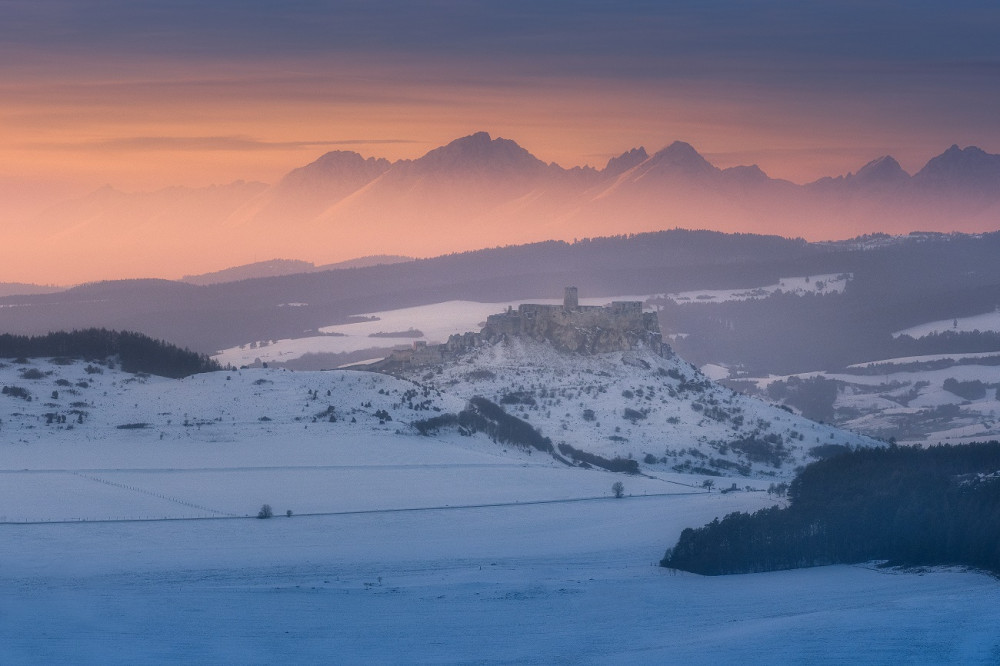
833 283
635 404
907 399
988 321
124 546
926 358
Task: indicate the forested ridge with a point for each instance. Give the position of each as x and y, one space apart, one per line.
136 352
910 506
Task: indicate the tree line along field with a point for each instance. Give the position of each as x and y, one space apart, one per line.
135 351
906 505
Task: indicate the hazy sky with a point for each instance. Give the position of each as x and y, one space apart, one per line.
144 94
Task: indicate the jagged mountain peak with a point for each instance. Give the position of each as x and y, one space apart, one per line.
956 154
337 165
881 170
746 174
678 150
344 157
682 156
962 168
625 161
480 152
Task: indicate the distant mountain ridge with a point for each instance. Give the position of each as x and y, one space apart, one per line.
479 191
278 267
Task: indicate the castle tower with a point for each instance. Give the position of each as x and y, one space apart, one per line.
571 301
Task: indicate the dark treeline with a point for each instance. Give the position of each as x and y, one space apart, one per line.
482 415
626 465
227 314
785 333
892 289
136 352
909 506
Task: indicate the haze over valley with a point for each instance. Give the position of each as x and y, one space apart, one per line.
478 191
456 332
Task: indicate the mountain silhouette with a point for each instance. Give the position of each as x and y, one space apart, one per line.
482 191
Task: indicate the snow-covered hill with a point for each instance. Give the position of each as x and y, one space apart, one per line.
637 404
941 398
661 412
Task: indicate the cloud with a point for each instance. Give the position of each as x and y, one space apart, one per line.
632 38
203 143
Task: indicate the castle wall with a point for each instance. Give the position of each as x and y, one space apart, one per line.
587 329
620 326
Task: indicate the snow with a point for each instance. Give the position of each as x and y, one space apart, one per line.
901 400
988 321
833 283
401 548
436 322
926 358
714 371
570 583
677 415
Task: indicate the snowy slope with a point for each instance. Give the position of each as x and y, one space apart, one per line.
909 398
222 444
402 548
119 445
636 404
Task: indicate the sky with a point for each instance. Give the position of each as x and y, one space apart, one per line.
151 94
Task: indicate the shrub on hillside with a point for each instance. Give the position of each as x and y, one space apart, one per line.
17 392
626 465
482 415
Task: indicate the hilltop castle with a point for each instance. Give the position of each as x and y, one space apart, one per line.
587 329
571 327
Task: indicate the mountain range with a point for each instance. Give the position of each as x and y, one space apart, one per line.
479 191
272 268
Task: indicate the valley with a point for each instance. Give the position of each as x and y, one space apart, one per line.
128 501
499 333
132 536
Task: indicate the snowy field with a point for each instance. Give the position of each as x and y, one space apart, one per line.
554 570
536 584
137 544
833 283
989 321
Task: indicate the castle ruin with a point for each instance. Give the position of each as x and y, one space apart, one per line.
586 329
570 327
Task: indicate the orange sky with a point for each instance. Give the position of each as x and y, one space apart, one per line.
149 95
161 127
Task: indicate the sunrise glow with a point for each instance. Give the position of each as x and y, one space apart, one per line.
142 100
